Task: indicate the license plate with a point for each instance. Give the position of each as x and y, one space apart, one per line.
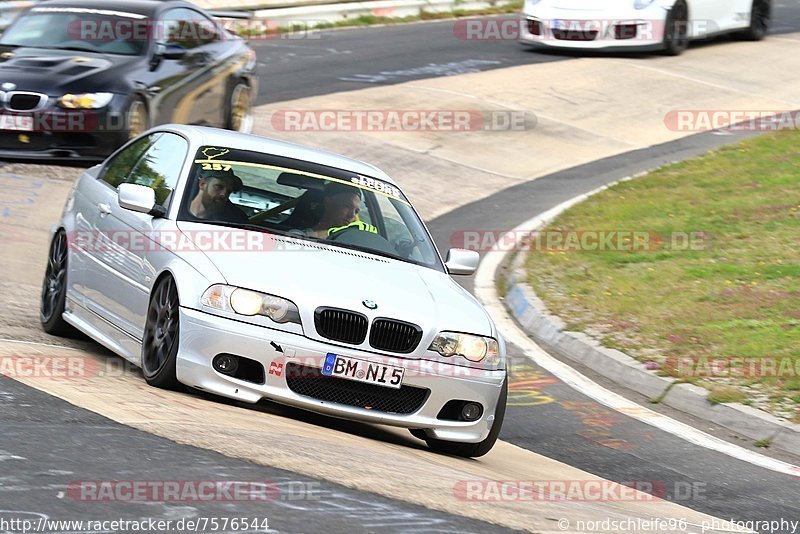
19 123
363 371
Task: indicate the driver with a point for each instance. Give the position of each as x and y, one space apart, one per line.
341 205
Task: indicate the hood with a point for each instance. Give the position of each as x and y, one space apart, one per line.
312 275
62 71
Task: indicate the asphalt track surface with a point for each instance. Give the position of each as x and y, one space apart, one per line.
48 443
330 61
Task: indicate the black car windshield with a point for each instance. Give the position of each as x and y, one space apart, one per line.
307 201
79 29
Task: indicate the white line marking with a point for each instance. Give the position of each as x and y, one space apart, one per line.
486 293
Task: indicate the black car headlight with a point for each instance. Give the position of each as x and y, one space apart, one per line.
246 302
85 100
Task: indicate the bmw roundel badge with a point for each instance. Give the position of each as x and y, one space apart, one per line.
369 304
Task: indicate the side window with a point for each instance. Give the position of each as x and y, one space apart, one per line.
187 28
120 167
161 165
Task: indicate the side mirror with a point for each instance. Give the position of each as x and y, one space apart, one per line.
139 198
171 51
166 51
460 261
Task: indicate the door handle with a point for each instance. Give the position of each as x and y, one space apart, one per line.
104 209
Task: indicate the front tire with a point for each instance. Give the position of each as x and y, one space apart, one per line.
474 450
54 289
136 118
239 117
760 17
161 333
676 29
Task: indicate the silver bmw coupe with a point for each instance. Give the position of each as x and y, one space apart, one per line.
257 269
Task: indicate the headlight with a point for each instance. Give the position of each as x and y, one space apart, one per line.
473 348
246 302
85 100
641 4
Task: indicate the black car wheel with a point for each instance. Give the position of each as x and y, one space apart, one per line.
54 289
137 118
676 29
473 450
239 109
760 16
160 343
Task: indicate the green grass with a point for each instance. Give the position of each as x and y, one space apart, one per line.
735 295
372 20
720 394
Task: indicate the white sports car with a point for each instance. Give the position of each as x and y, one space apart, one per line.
666 25
253 268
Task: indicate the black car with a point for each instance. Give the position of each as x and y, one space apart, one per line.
78 78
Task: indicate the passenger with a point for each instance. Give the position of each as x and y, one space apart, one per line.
212 201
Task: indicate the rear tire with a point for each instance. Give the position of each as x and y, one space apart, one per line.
474 450
161 336
54 289
676 29
760 17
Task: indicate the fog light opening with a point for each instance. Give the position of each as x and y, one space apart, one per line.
471 411
226 364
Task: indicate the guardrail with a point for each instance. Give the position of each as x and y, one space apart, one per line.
9 11
294 10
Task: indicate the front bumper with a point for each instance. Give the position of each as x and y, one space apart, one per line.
641 30
61 134
203 336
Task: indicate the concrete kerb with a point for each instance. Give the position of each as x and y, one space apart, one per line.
550 332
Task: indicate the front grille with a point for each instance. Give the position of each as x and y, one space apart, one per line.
310 382
24 101
575 35
394 336
341 325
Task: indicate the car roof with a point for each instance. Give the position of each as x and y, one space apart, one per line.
140 7
202 135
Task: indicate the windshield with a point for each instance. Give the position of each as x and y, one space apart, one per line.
306 201
77 29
